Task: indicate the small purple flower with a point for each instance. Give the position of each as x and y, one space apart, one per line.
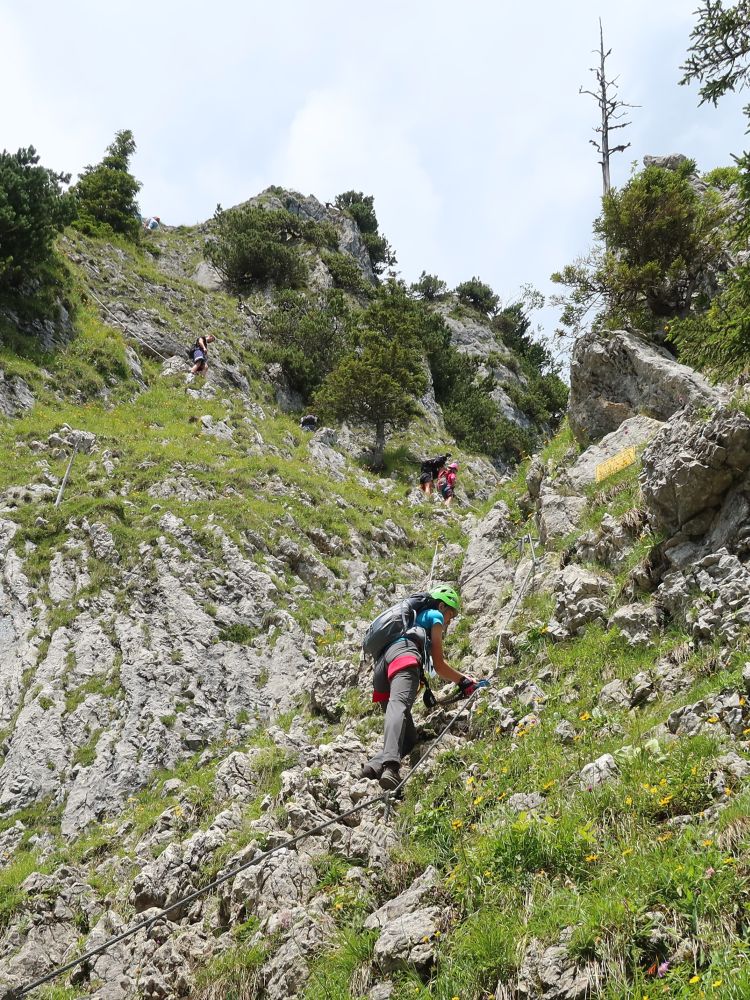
662 970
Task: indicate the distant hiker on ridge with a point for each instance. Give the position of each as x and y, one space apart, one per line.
198 353
152 223
429 471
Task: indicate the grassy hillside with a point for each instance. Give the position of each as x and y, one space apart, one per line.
641 880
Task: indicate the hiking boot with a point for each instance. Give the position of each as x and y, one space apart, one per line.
370 772
390 778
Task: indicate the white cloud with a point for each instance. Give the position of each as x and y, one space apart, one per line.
335 142
464 121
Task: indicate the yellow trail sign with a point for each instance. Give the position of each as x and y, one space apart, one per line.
619 461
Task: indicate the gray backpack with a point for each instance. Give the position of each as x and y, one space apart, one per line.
394 622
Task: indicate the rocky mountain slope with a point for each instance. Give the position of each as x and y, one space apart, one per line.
181 688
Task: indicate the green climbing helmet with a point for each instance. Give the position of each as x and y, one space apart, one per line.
447 595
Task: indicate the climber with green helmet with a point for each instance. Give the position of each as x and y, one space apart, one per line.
398 673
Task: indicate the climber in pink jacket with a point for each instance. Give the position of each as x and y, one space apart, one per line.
447 481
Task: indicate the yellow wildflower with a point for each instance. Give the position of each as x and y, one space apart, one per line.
727 791
548 785
627 852
746 731
628 800
663 782
666 800
712 719
730 861
584 716
664 837
717 983
470 781
707 843
479 799
457 824
592 857
694 979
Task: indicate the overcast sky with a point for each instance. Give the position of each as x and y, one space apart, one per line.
463 120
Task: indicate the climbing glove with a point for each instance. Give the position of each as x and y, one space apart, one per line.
467 686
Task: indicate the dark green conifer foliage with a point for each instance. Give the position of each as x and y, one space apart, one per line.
379 381
106 192
306 337
252 245
719 60
33 209
477 295
429 287
660 240
377 386
361 207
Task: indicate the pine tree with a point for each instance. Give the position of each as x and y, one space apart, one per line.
33 208
106 193
377 385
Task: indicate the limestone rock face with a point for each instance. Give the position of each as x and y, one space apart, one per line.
485 546
637 622
410 938
670 161
408 902
632 433
15 395
472 335
549 973
207 276
695 480
616 375
558 515
722 607
580 598
611 542
614 695
599 771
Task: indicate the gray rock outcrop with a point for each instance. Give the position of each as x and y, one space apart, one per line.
558 514
695 480
617 375
15 395
635 432
580 598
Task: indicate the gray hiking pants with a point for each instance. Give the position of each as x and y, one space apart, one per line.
400 732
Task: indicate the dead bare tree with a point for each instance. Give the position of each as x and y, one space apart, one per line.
611 108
